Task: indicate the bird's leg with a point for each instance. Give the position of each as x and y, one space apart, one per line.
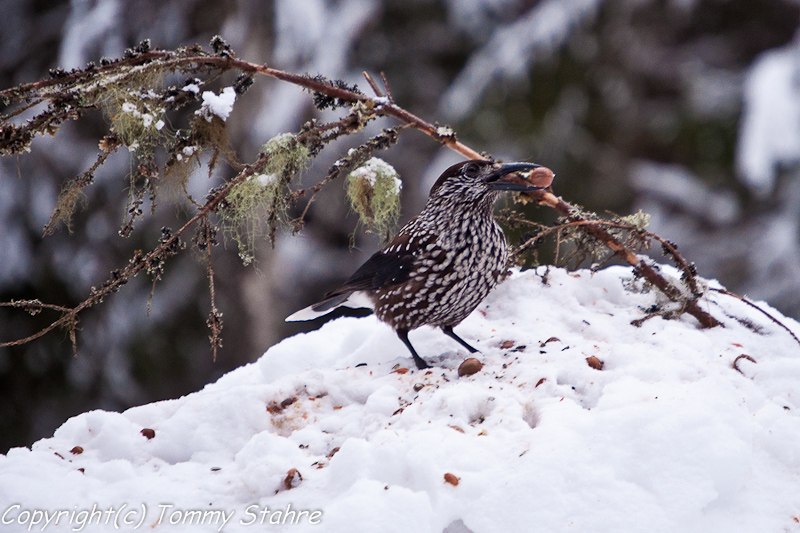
403 334
448 330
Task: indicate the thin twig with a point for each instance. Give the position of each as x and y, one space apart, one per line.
386 86
214 320
372 84
735 363
759 309
33 306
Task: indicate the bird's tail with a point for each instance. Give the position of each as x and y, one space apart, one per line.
355 300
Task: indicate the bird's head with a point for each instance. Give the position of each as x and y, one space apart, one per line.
478 178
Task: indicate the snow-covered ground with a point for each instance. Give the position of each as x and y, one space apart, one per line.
330 426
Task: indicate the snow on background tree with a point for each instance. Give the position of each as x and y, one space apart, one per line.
686 109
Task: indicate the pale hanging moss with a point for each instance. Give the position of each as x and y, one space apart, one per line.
373 191
130 100
184 160
248 206
287 156
136 113
255 207
138 123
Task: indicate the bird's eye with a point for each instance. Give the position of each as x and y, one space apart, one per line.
471 170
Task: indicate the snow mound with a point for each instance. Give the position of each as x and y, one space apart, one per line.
667 436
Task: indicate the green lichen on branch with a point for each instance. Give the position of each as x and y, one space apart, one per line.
135 106
373 191
255 207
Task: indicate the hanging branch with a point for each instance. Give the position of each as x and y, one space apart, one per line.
70 94
206 238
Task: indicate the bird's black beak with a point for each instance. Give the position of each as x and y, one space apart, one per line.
503 179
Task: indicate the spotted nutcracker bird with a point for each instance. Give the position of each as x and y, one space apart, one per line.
441 264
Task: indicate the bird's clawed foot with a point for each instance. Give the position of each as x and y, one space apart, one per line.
420 362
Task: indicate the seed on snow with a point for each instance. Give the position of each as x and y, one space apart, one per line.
469 366
595 363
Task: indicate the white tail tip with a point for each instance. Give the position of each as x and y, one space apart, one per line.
356 300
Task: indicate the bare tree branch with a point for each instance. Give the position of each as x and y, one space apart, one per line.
64 89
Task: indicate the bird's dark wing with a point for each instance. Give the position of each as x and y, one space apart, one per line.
388 267
382 270
391 266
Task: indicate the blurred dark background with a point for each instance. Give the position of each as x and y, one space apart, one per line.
688 109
